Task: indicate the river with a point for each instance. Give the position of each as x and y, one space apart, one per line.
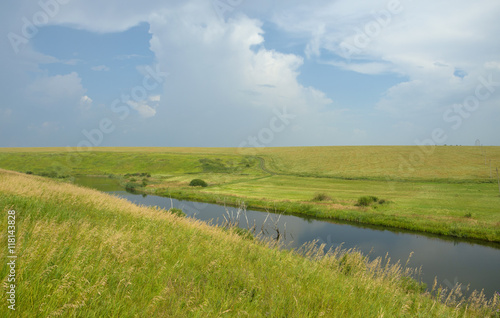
450 260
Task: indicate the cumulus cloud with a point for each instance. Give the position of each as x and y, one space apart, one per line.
440 50
222 76
412 36
235 84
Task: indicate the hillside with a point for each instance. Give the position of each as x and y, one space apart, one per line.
448 163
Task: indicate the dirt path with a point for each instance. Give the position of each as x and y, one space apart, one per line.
262 164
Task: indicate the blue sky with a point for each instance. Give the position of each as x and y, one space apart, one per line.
239 73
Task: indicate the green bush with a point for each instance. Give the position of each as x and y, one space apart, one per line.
366 200
138 174
132 186
56 171
321 197
198 183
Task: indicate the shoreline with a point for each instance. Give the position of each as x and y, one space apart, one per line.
316 212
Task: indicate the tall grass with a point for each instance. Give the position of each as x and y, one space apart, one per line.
83 253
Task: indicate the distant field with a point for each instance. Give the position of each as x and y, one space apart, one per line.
453 163
119 162
399 162
450 191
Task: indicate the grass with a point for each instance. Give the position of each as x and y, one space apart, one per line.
385 162
83 253
446 192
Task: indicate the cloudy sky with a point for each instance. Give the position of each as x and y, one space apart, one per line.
249 73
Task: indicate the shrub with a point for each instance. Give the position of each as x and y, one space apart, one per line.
468 215
198 183
366 200
138 174
29 172
56 171
132 186
321 197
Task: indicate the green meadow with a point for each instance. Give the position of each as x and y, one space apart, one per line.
83 253
446 190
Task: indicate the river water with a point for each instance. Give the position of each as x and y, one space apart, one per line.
449 260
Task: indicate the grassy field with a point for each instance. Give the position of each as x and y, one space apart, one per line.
447 190
445 163
82 253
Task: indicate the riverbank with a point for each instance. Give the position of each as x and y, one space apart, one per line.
459 226
85 253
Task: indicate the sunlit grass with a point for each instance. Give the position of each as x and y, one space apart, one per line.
83 253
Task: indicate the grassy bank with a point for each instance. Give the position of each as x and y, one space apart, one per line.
84 253
459 210
448 191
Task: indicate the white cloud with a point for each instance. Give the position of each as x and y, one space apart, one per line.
425 41
99 68
146 108
234 72
85 103
223 78
370 68
155 98
56 91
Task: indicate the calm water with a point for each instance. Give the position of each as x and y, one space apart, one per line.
450 260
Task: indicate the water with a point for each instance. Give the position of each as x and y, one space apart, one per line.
450 260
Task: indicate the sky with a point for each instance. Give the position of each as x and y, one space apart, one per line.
240 73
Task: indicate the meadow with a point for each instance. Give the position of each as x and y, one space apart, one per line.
446 190
83 253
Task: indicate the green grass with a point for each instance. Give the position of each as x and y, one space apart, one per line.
433 207
445 163
99 163
448 192
82 253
